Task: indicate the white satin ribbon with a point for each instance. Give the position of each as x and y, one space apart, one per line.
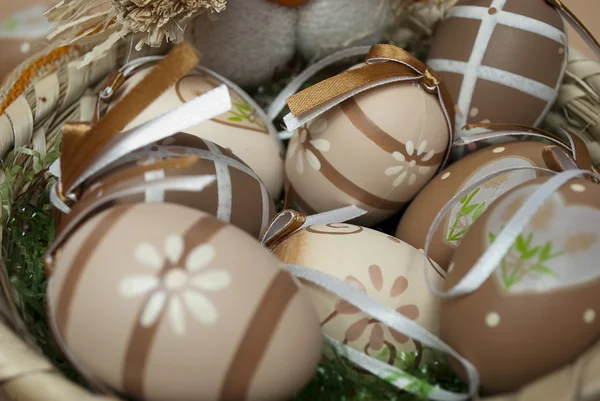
466 140
286 217
187 184
204 107
395 321
493 255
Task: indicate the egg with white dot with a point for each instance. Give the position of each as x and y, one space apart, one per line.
420 214
536 312
375 150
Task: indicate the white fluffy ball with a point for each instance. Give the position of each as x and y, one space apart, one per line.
326 26
247 41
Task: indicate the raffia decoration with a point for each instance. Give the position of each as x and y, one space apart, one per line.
156 21
578 105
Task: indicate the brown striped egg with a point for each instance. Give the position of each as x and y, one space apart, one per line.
238 196
377 264
162 302
23 29
375 150
241 129
502 60
539 310
419 216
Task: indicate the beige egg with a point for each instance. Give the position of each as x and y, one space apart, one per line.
241 129
23 29
375 150
165 303
377 264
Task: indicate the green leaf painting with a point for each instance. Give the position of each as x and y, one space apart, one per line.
243 111
461 223
526 260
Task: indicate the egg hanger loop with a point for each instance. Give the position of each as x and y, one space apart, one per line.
575 145
579 26
493 255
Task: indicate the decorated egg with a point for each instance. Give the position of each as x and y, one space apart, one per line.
375 150
539 309
238 196
162 302
502 60
23 28
242 129
377 264
419 216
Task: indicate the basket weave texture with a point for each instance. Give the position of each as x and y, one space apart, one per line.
49 89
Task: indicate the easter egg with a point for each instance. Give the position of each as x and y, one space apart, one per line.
379 265
539 309
166 303
375 150
238 196
23 28
419 216
241 129
502 60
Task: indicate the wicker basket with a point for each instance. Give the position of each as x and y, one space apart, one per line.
48 90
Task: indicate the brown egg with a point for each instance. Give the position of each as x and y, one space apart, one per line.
23 29
165 303
419 216
241 129
237 197
377 264
502 60
539 310
376 150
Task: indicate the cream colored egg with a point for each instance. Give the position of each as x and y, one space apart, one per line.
241 129
375 150
379 265
166 303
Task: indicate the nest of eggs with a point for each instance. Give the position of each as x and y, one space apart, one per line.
29 227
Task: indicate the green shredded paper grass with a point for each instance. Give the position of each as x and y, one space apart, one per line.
28 222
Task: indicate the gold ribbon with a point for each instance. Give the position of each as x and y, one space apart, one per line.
383 62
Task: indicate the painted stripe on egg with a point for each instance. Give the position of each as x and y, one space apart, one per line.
80 262
347 186
256 339
142 338
385 141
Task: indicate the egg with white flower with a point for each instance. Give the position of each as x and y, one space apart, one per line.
375 150
163 302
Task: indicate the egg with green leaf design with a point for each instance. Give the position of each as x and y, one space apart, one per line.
244 129
538 310
422 211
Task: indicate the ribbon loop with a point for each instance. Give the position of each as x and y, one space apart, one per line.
290 221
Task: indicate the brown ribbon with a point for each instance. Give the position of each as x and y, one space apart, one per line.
383 62
181 60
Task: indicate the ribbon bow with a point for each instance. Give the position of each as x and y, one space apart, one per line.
384 64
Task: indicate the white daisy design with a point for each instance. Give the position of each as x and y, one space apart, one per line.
407 168
297 145
176 285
